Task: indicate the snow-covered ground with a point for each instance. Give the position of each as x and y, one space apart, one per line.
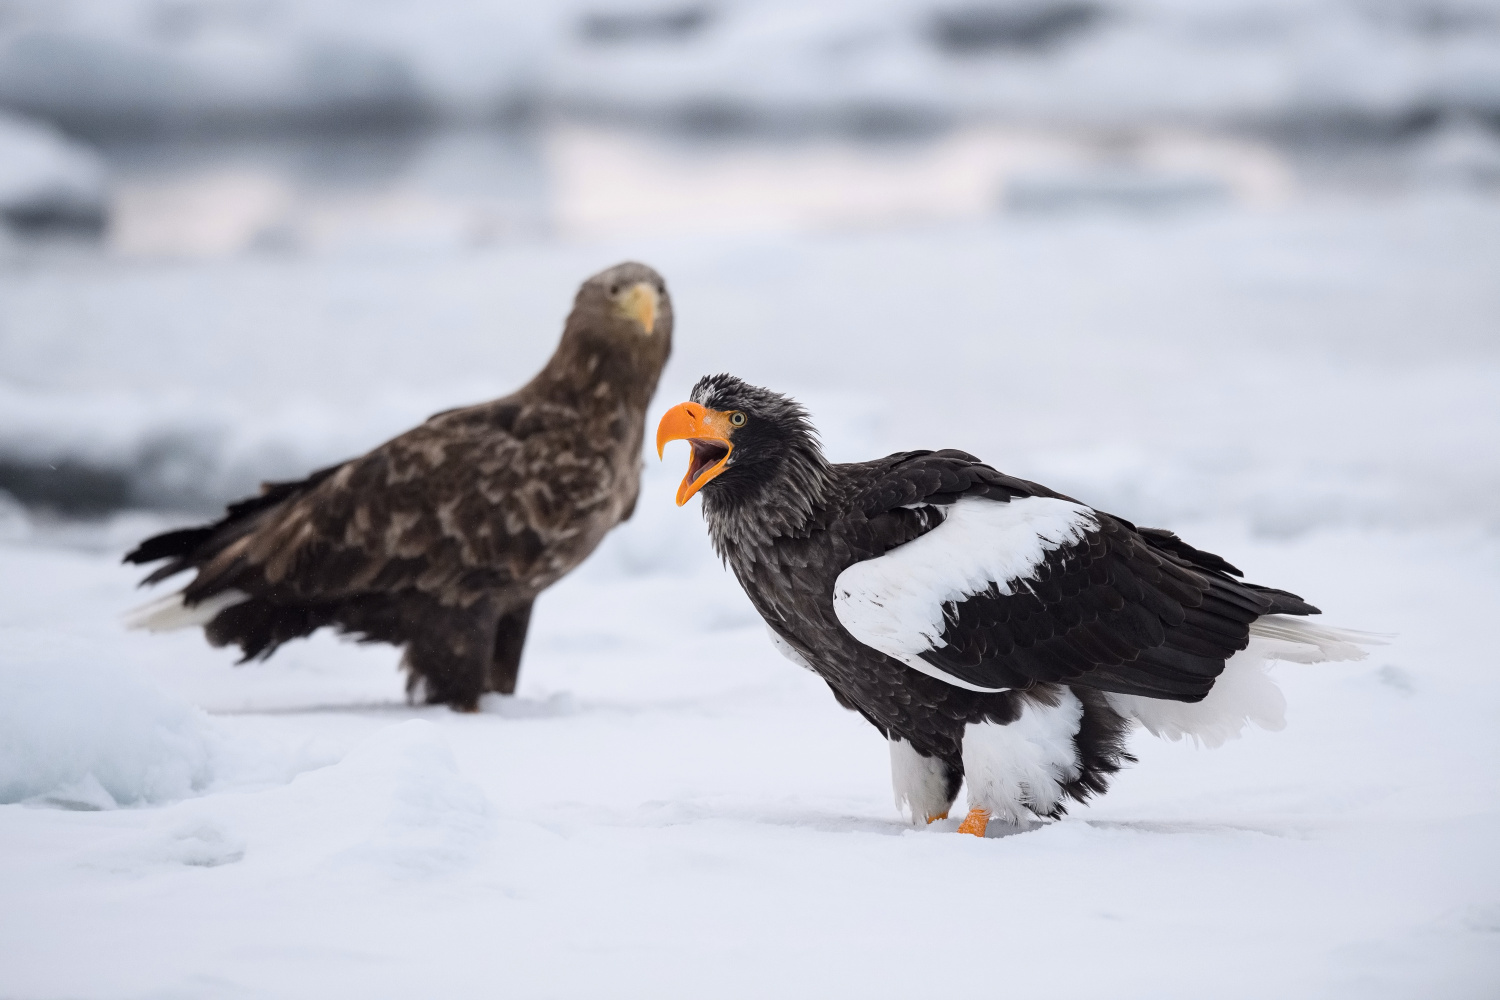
667 808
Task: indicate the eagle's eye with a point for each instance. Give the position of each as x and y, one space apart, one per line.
737 419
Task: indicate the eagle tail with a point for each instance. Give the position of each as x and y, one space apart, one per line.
1296 640
1245 694
189 547
173 612
171 545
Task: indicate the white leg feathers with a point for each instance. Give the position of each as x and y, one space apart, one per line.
1015 772
1245 694
920 783
169 613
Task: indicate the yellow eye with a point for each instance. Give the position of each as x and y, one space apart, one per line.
737 419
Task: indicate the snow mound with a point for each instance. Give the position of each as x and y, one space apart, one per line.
48 180
397 804
84 734
396 807
81 731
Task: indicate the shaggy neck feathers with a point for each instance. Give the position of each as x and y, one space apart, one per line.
778 480
776 502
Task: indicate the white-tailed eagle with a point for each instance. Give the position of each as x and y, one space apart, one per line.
440 539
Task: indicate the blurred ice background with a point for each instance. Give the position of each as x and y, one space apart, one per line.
1229 266
242 237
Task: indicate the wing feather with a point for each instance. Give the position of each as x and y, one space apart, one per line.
433 523
451 509
1016 585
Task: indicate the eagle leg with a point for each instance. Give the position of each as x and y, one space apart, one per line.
448 663
505 661
925 786
976 822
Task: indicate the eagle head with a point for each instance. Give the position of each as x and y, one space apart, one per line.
628 300
741 436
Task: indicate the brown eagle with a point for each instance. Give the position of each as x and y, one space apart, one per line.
440 539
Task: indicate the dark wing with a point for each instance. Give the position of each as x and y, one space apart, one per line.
474 501
188 547
1014 584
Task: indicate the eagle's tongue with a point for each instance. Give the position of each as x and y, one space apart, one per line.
705 454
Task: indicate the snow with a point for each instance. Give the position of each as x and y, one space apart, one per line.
669 808
642 814
76 731
1461 153
1371 324
108 66
46 178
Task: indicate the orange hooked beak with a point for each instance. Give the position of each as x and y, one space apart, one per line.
707 431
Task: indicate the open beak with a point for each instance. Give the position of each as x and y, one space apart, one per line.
707 431
640 302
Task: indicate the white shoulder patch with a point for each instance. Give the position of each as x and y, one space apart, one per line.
788 650
894 603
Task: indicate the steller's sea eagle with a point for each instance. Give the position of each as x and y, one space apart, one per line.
996 632
440 539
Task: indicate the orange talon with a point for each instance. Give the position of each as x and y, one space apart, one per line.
976 822
934 819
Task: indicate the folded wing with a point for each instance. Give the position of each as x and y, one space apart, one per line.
1015 585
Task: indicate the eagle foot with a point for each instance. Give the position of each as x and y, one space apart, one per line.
976 822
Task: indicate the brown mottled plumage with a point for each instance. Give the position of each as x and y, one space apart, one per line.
440 539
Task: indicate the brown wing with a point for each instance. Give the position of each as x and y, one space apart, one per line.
460 505
488 504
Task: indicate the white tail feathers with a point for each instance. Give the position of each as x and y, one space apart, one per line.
1297 640
167 614
1245 692
1242 695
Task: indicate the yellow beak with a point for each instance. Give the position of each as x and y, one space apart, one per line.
640 302
707 431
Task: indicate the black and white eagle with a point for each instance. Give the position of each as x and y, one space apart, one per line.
996 632
440 539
